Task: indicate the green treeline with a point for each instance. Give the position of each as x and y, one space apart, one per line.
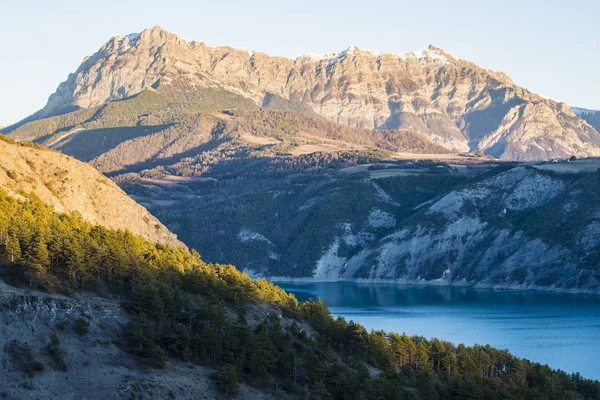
186 309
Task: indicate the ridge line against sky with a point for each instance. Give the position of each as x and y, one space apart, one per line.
545 46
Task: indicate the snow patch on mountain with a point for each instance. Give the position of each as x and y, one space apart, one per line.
422 56
582 111
132 38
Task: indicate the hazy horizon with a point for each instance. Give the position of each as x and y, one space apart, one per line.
542 46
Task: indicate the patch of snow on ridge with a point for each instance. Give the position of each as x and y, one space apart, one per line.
581 111
426 55
422 56
131 39
246 235
313 56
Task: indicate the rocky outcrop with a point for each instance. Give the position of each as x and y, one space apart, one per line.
70 185
495 233
454 102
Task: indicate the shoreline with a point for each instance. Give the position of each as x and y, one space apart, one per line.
423 283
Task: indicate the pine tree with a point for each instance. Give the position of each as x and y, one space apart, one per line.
12 248
37 252
422 361
227 380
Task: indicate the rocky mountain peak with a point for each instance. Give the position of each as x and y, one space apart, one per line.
455 103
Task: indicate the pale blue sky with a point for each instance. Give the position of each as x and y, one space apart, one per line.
550 47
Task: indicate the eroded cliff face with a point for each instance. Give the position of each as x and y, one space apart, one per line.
94 365
501 232
454 102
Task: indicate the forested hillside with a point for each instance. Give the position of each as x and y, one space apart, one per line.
484 225
182 308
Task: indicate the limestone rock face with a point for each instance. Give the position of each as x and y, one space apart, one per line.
453 102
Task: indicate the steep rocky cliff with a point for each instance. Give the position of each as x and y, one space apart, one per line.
453 102
522 228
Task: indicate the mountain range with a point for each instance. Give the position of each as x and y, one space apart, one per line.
351 166
452 102
341 166
591 116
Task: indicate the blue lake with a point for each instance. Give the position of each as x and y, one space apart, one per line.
561 330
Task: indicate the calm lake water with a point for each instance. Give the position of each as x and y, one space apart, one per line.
561 330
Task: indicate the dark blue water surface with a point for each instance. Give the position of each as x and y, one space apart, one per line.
561 330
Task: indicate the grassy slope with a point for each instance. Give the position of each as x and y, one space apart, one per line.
70 185
89 133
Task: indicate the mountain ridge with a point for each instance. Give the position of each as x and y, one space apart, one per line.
592 117
453 102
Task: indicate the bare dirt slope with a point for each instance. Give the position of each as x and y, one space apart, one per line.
96 367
